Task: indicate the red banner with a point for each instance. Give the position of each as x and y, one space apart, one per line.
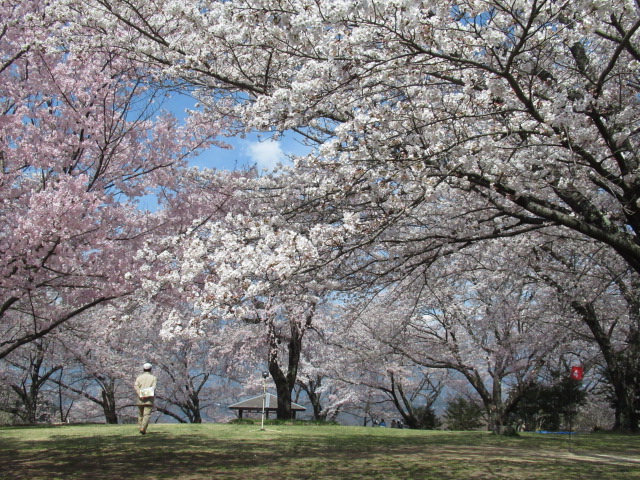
577 373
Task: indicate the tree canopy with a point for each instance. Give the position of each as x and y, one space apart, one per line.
472 184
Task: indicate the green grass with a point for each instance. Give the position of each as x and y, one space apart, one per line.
215 451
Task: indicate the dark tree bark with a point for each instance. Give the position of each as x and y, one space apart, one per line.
285 378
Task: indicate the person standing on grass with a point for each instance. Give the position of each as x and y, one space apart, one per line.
145 390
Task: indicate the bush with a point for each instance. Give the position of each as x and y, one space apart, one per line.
426 418
550 406
242 421
507 431
463 414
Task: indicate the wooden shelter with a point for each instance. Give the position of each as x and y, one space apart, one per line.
254 405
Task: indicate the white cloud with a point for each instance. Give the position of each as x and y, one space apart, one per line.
266 154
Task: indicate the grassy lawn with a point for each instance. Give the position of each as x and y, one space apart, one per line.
229 452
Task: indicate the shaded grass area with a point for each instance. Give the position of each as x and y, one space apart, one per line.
230 452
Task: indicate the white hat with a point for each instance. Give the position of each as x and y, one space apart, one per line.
147 366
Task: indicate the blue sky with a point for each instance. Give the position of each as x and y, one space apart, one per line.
253 149
249 150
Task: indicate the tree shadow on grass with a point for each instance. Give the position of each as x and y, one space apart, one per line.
195 456
154 455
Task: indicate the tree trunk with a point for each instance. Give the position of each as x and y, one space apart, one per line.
625 404
286 381
314 398
283 390
29 391
109 404
621 369
196 416
30 406
498 413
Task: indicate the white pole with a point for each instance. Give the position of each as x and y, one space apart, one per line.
264 398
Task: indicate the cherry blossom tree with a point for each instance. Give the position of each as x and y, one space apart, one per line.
102 361
80 142
528 106
242 268
602 293
27 373
74 363
437 125
194 368
324 368
102 351
479 316
366 373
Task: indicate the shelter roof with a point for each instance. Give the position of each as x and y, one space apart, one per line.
270 404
